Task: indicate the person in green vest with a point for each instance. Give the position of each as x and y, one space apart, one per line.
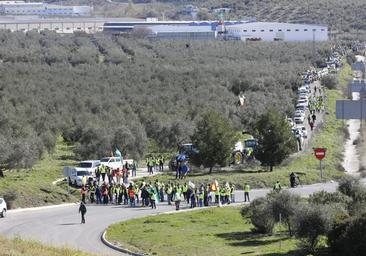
178 197
184 190
117 192
232 193
169 193
201 196
277 187
152 195
103 172
246 192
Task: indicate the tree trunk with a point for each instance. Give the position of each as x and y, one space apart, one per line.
271 168
289 228
210 171
1 173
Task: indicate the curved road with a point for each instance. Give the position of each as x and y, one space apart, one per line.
61 226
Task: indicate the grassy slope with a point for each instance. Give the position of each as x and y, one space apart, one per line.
34 187
330 136
214 231
17 246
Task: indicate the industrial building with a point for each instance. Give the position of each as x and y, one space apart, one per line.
232 30
175 30
186 33
273 31
42 9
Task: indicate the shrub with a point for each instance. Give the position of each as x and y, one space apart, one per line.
329 81
348 238
285 203
311 222
351 186
324 197
260 213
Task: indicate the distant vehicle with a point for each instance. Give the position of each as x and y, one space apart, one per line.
299 119
302 106
186 152
302 101
75 175
89 165
301 129
112 162
3 208
303 97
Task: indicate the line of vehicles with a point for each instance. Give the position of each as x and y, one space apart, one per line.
3 208
87 168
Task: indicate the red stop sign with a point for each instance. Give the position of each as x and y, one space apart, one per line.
320 153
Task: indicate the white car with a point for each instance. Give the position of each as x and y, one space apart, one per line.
299 119
3 208
89 165
302 106
303 97
112 162
302 130
302 101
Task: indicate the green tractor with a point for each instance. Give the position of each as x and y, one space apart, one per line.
244 151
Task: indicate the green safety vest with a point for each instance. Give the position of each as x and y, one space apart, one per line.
102 169
246 188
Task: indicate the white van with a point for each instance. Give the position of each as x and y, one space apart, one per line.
89 165
112 162
75 175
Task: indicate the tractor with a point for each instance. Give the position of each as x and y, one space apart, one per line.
186 152
244 151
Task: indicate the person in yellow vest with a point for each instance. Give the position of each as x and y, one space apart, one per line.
83 180
277 187
102 172
232 192
246 192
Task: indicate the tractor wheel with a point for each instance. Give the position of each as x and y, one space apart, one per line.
238 158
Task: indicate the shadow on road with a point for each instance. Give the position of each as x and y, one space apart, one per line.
68 224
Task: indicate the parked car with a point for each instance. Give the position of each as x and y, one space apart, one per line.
299 118
112 162
302 130
75 175
89 165
3 208
302 101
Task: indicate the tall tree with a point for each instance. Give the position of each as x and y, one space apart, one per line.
214 137
275 140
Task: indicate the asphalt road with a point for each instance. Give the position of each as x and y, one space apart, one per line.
61 226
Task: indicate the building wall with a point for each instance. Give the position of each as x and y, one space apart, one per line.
281 31
43 9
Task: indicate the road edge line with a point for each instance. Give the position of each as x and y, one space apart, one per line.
117 248
124 250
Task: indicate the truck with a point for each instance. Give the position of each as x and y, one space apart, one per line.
244 151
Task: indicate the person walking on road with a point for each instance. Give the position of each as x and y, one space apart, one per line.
313 117
277 187
246 192
82 211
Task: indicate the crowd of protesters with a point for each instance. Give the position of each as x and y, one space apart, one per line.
145 194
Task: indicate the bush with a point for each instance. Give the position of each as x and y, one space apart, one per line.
329 81
324 197
348 238
311 222
285 203
260 213
351 186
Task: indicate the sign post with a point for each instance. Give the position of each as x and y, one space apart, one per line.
320 154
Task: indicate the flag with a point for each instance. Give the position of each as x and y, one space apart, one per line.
117 153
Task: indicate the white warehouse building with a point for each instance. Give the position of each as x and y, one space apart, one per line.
273 31
43 9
